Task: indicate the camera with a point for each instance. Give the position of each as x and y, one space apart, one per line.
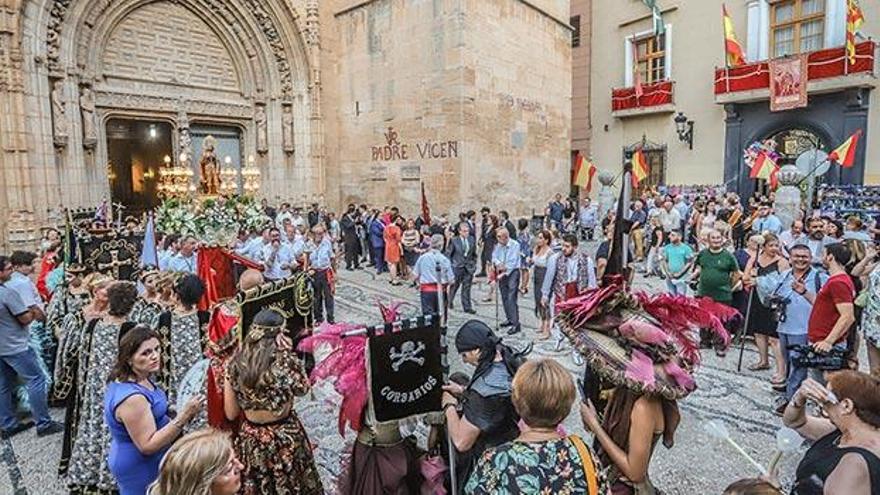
807 357
777 306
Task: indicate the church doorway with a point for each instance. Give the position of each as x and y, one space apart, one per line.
136 150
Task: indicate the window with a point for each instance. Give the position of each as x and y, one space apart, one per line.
797 26
651 52
575 22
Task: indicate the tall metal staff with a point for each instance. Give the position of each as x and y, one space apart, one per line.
444 345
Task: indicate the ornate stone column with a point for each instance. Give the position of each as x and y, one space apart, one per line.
606 194
788 196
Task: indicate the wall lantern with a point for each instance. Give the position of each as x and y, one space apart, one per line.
685 129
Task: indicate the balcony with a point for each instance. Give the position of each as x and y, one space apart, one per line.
655 98
827 71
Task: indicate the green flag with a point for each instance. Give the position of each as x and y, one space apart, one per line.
659 26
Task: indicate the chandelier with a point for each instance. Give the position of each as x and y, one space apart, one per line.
175 181
251 176
228 178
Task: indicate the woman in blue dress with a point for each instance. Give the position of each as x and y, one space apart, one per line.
136 412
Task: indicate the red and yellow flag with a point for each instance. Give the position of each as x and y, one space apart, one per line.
584 171
765 168
640 168
854 20
734 50
845 154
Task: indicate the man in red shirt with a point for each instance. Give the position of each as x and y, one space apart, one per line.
832 314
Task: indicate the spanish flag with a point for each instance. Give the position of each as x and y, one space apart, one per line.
640 168
845 154
734 50
765 168
854 20
584 171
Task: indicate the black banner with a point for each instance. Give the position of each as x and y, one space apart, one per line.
292 297
115 253
405 372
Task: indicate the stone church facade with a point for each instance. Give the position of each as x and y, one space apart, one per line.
336 100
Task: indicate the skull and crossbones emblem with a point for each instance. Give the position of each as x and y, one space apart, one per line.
409 351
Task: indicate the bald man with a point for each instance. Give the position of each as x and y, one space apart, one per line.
250 278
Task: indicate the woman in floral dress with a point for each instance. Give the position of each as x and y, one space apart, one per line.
540 460
871 313
88 472
262 382
180 330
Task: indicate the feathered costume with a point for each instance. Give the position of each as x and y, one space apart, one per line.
382 462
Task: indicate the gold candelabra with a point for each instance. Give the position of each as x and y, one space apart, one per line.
175 181
251 176
228 178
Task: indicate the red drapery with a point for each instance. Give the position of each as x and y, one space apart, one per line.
820 65
217 272
652 95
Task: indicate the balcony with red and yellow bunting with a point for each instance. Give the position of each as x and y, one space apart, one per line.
827 71
655 98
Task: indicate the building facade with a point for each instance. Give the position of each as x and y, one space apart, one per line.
335 101
682 71
581 48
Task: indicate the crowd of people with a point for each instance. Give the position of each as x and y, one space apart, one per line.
113 351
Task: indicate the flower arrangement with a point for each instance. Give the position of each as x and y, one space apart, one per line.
215 221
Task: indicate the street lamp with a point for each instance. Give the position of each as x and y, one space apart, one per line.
685 129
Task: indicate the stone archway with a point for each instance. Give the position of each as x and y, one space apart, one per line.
248 64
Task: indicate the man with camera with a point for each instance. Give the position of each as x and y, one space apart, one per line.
791 304
832 315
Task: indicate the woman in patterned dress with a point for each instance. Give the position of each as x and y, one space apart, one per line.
180 330
262 382
69 298
148 306
70 346
88 472
870 269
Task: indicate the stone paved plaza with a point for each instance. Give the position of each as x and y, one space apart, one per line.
696 464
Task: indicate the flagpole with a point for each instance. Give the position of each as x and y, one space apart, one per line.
724 48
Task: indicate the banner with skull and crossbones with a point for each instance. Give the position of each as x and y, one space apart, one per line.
405 371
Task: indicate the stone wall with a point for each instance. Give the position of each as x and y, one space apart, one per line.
472 98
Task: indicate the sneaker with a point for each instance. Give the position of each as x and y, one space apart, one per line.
514 330
15 430
51 429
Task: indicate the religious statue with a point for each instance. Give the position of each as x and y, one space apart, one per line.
209 167
185 140
87 109
287 128
262 132
59 117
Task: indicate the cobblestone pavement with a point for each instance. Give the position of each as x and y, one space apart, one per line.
697 464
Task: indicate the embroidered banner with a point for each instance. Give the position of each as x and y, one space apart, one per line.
788 83
405 372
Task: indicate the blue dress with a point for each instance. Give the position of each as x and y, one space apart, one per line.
133 471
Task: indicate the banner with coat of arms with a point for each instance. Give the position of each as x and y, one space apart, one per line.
788 83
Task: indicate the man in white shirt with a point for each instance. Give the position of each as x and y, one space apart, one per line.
284 214
277 257
792 236
670 218
587 217
506 261
186 260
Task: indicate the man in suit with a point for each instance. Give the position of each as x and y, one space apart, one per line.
462 251
350 240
